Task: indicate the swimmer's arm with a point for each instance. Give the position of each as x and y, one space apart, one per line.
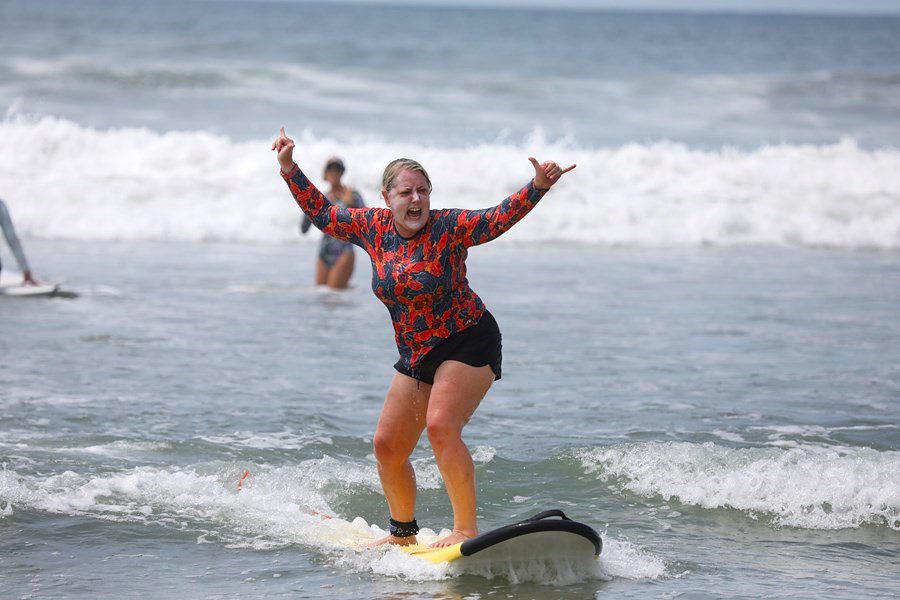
9 232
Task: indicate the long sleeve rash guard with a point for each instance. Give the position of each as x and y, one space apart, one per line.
421 280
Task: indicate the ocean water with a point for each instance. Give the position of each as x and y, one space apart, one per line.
701 322
454 76
727 418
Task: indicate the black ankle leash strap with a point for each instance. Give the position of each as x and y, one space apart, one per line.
400 529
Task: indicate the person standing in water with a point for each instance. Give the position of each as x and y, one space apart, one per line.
12 239
335 262
449 344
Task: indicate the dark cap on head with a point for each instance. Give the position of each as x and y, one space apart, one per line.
334 163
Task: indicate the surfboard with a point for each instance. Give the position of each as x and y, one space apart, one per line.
36 291
536 538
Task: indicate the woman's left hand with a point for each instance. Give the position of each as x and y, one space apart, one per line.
547 173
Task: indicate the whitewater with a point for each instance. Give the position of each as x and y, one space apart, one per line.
135 184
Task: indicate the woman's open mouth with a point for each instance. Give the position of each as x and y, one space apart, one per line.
414 213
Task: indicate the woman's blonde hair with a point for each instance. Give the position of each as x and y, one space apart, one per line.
395 166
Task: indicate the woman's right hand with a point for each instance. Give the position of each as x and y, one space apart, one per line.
284 146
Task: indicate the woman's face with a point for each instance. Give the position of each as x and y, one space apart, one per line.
333 176
409 201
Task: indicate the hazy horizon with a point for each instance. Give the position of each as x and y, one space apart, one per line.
825 7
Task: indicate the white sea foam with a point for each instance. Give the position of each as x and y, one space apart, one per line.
629 561
123 449
483 454
798 435
281 440
62 180
728 436
816 430
808 487
277 508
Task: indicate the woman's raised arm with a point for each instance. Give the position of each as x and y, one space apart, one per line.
350 224
481 226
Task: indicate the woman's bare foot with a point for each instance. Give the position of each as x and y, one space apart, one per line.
409 540
454 538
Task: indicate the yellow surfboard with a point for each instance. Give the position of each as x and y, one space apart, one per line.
532 539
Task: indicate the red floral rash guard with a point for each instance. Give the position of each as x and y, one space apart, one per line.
421 280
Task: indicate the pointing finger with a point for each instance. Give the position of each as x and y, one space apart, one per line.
567 169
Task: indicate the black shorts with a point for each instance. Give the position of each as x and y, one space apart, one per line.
477 346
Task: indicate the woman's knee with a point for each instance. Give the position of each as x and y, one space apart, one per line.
385 447
442 431
389 448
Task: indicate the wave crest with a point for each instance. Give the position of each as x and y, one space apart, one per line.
62 180
808 487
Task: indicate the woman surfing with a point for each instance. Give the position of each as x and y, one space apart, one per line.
449 344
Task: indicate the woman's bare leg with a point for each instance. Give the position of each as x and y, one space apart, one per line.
399 428
458 389
321 272
339 275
